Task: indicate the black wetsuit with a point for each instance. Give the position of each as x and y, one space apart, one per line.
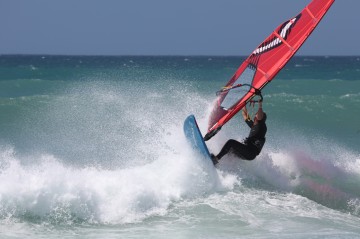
252 144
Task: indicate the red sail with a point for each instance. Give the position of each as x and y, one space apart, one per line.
265 62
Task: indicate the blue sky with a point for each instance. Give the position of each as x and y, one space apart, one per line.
166 27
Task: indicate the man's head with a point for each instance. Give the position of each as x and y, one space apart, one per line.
260 117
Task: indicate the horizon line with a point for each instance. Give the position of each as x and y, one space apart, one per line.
159 55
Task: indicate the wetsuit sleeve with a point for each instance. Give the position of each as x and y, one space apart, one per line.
250 123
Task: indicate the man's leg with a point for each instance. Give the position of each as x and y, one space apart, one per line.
239 149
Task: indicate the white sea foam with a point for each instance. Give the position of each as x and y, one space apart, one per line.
157 170
55 192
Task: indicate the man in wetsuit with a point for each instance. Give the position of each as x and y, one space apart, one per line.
252 144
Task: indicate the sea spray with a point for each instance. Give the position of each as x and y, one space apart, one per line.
52 192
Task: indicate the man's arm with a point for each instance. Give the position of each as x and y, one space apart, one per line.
246 117
245 114
260 112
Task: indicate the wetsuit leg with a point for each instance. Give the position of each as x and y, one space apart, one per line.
239 149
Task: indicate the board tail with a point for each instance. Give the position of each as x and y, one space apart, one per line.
194 137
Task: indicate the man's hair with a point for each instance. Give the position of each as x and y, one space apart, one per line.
264 117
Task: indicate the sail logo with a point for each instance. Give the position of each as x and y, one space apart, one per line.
283 32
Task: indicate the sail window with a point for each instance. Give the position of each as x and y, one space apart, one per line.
235 94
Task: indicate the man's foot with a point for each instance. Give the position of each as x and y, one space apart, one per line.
214 159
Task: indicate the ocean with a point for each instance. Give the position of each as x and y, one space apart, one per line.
93 147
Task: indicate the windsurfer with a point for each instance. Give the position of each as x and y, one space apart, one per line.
252 144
